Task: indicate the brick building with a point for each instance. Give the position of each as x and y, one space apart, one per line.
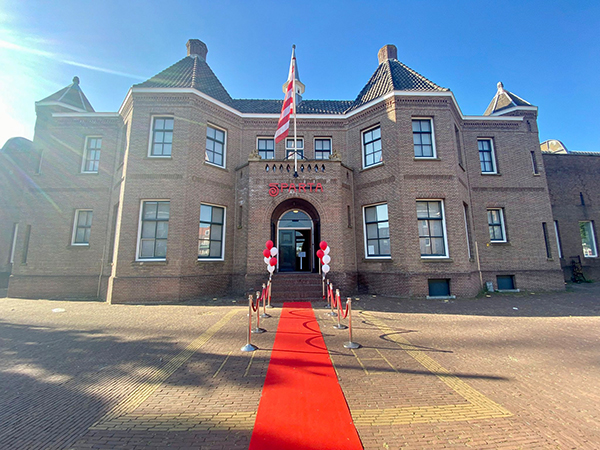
173 196
574 189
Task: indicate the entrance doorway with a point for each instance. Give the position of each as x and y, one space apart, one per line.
295 237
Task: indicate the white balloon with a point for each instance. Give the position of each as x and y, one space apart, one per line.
274 251
325 268
267 261
326 251
271 269
326 259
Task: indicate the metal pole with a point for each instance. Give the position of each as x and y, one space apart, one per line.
350 343
294 103
323 285
329 289
266 292
249 347
339 325
258 329
269 294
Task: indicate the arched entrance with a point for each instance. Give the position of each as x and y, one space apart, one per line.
295 228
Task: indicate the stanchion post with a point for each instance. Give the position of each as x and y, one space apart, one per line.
330 289
350 343
269 293
264 315
323 284
327 293
339 325
258 329
249 347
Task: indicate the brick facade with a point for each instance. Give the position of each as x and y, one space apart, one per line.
128 175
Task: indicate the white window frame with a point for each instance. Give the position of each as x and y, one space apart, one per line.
216 127
265 138
434 149
467 234
222 258
151 135
443 208
502 225
364 219
557 235
74 231
315 147
85 154
139 234
593 238
13 246
363 155
492 154
291 149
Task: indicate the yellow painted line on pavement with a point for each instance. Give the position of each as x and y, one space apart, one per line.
479 406
147 387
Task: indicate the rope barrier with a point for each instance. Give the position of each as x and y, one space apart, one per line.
338 303
249 347
258 329
265 294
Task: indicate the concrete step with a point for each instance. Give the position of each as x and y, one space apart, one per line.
296 286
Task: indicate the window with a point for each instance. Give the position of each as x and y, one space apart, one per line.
534 163
210 233
439 287
458 146
215 146
496 225
26 244
558 243
486 156
505 282
467 229
588 240
11 257
372 147
546 241
82 227
266 148
377 231
430 215
162 136
423 138
154 228
322 148
91 155
289 148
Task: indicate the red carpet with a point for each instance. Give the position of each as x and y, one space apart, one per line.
302 405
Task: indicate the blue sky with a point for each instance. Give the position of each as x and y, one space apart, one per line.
547 52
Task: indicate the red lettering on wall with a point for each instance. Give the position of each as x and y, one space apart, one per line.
276 188
310 186
292 186
319 187
301 187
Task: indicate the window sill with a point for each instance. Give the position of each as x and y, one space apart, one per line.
499 243
209 260
89 173
491 174
215 166
537 174
378 259
371 167
158 157
441 259
150 262
590 257
79 246
417 158
441 297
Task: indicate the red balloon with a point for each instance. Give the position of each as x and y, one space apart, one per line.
320 254
269 245
323 245
273 261
266 253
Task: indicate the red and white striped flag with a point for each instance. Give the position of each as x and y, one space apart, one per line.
283 127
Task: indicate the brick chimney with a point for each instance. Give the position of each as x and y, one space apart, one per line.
195 47
387 52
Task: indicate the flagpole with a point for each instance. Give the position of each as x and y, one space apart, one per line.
294 103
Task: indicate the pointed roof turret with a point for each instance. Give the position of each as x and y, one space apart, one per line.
392 75
504 100
70 97
191 72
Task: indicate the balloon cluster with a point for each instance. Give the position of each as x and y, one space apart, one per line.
269 253
323 255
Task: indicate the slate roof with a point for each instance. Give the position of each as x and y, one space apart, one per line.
190 72
504 100
72 95
392 75
194 72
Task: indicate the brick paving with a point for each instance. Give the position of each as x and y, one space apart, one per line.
514 371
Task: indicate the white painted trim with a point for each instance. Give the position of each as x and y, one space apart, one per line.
222 258
556 235
493 155
362 146
502 225
364 219
320 116
435 156
139 235
54 103
87 114
217 127
85 151
441 200
514 108
151 136
322 138
74 231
